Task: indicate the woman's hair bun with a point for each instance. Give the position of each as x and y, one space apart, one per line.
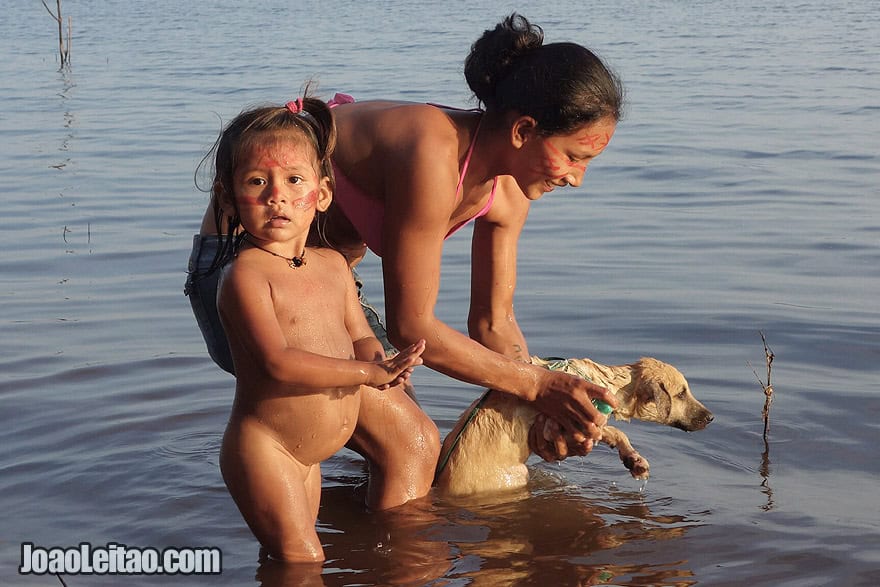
561 85
496 53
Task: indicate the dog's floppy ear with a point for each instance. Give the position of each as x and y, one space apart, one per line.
663 400
651 386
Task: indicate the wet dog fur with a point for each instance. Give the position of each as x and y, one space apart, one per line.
488 447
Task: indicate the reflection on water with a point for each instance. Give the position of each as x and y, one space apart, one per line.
739 196
505 540
524 538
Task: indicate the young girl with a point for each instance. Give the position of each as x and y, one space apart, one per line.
300 343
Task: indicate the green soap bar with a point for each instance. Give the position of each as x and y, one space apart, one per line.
603 407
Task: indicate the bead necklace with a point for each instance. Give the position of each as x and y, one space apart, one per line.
292 262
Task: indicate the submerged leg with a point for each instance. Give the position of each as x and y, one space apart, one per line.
401 444
277 495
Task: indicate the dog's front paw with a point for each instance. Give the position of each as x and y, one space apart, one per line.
638 466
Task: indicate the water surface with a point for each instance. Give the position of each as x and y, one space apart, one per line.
738 197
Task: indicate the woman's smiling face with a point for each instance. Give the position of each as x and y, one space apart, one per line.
562 159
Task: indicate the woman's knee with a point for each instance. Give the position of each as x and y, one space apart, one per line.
295 549
426 437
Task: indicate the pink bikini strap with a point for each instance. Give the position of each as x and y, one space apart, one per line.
338 99
467 160
488 205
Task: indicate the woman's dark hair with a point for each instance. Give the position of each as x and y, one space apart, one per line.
309 118
561 85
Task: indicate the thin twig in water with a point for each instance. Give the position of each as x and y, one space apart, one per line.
768 387
63 50
768 399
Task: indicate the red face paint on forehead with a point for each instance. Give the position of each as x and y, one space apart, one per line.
594 141
279 154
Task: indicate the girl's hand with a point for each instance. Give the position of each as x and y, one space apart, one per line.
397 369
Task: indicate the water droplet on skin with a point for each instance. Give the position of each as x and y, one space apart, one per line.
383 547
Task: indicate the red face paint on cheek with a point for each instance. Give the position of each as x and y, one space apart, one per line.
246 201
547 165
307 201
554 162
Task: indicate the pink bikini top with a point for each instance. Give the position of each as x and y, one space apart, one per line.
367 214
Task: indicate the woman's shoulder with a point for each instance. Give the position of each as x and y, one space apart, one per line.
378 108
510 206
397 123
399 140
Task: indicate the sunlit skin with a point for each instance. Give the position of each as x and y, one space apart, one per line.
408 158
562 159
304 353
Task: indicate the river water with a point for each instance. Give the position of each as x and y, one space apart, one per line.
739 198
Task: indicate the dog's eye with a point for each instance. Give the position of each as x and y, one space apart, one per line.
681 394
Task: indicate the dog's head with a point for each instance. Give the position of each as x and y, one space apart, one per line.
664 396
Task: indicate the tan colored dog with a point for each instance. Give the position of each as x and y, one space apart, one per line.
488 447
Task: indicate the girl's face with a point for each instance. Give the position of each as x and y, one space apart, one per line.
561 159
277 188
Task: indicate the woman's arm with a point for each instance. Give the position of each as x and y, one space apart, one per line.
419 203
491 319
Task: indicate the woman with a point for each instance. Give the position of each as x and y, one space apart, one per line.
407 176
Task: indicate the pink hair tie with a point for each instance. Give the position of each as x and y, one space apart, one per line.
295 106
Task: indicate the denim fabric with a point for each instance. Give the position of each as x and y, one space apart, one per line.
202 293
373 317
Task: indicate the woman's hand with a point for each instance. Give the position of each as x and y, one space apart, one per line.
568 423
548 440
396 370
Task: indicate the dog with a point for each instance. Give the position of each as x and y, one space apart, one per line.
487 449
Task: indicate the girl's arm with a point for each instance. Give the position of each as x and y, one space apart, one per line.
248 316
366 346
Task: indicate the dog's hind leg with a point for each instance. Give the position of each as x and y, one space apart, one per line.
637 464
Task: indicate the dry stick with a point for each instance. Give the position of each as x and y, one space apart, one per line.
768 387
63 50
768 399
